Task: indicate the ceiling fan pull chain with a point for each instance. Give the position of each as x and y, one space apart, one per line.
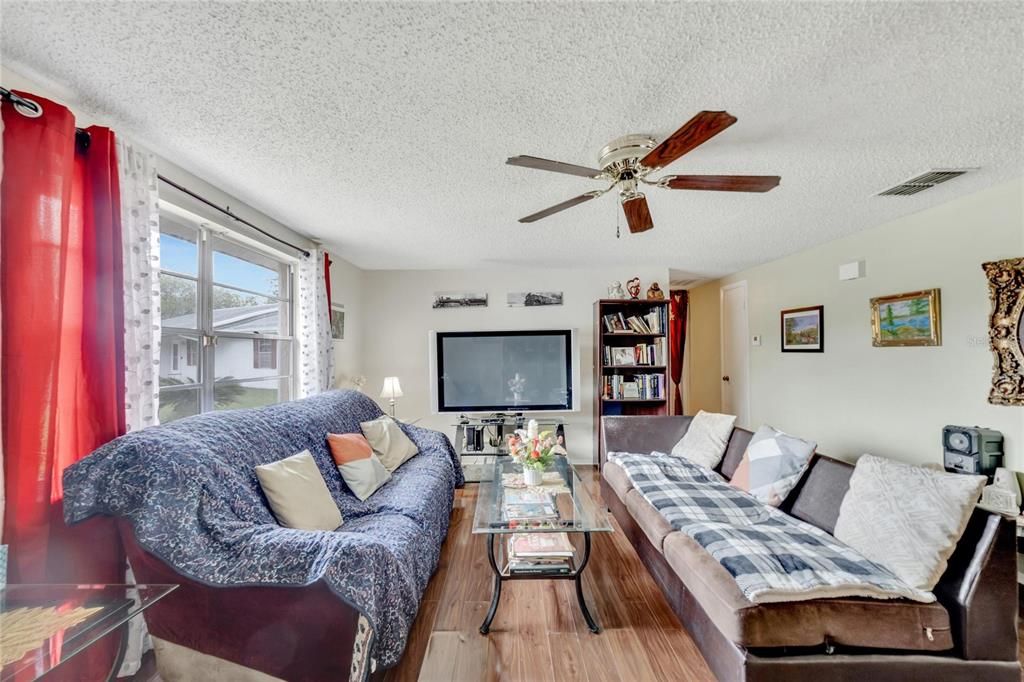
618 229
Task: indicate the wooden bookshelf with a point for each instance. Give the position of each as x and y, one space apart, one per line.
617 404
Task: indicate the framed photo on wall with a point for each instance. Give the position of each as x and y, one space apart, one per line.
803 329
338 321
911 319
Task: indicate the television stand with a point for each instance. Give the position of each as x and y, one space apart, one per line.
481 438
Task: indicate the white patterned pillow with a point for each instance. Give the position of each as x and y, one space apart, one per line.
772 465
907 518
705 441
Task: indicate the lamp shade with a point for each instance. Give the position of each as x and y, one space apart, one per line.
392 389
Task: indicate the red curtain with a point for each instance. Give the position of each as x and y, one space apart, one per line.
678 304
63 355
327 278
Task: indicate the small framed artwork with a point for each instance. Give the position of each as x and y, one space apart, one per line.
516 299
338 322
803 329
459 299
911 319
623 357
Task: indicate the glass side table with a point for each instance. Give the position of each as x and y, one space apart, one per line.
43 626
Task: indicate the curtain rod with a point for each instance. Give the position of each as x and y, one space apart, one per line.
32 109
227 211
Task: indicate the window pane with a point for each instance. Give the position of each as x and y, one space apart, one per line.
178 302
232 395
251 358
178 403
179 359
240 267
179 250
237 311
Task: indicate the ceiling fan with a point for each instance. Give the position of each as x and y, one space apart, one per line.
628 160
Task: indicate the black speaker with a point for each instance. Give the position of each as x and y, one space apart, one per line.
972 449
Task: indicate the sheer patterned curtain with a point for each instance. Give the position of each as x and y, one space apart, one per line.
140 235
140 258
313 326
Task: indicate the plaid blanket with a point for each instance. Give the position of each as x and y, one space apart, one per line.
772 556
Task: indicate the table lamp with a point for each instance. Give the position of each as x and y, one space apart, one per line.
391 390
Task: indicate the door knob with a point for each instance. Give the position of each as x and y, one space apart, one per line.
725 378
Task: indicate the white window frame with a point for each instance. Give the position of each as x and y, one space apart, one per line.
208 234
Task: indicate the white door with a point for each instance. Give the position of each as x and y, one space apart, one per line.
735 362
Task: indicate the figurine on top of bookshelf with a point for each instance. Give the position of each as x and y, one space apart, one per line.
615 290
633 287
655 292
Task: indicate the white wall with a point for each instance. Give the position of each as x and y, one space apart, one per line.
397 317
855 398
347 289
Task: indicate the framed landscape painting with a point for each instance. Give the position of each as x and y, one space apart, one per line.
803 330
911 319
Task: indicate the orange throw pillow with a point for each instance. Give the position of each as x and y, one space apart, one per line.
348 447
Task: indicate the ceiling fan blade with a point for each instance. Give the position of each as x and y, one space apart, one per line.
694 133
554 166
721 183
533 217
638 216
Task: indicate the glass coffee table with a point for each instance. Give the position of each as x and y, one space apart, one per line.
42 626
523 523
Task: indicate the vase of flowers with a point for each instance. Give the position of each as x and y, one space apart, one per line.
534 450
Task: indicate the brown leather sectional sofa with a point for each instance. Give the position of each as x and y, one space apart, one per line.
969 634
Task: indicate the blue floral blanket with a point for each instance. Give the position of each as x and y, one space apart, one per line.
190 492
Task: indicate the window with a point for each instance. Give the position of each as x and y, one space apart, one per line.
229 308
264 354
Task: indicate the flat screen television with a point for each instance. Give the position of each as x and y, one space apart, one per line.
503 371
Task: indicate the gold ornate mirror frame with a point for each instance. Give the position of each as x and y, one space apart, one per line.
1006 330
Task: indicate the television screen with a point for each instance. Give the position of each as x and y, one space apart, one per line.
504 371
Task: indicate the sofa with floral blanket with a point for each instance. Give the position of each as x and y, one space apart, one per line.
258 599
968 633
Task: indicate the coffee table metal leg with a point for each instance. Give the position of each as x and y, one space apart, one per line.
496 596
594 627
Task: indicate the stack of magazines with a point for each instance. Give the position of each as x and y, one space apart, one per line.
526 506
535 553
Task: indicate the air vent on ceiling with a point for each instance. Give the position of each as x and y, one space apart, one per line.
923 182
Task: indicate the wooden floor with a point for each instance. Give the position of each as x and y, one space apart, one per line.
538 633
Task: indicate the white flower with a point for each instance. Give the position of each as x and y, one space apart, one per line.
532 429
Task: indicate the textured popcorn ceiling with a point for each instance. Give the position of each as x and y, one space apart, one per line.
382 128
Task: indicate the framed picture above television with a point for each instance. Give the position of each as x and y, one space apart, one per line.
803 329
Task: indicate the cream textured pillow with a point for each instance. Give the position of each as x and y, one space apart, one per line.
389 443
906 518
704 442
297 493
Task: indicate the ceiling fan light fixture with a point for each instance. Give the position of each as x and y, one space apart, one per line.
628 160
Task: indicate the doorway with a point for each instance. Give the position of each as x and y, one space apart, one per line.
735 332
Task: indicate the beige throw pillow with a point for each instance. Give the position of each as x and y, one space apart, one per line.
704 442
297 493
906 518
388 441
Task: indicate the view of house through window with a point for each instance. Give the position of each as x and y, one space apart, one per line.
226 312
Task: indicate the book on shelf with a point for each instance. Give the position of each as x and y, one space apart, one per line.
636 387
650 354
